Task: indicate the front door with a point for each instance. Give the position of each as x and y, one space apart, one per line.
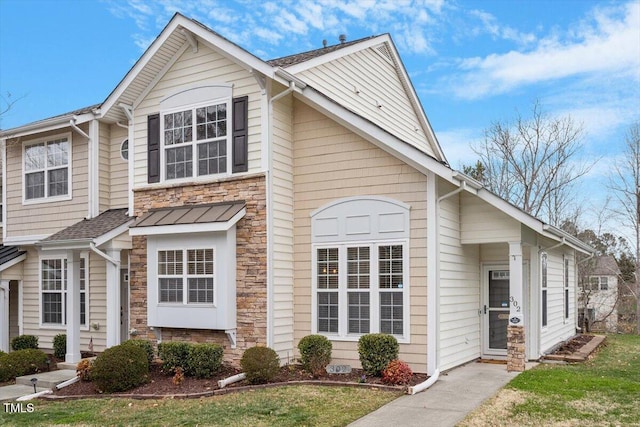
496 310
124 305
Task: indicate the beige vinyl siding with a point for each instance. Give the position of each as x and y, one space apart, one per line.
32 311
103 167
118 170
482 223
557 329
330 163
208 66
459 289
367 82
282 218
47 217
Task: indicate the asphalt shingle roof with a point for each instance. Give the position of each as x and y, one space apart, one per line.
92 228
9 253
605 266
287 61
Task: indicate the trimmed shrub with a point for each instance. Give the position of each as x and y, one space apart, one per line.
315 354
260 364
376 351
120 368
22 342
397 372
145 345
83 369
60 346
22 362
173 354
204 360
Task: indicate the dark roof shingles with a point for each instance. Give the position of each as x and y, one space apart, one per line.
9 253
94 227
287 61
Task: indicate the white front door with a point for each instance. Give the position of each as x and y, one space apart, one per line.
495 310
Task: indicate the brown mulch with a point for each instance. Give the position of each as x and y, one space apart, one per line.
573 345
163 385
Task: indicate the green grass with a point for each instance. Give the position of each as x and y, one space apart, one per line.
602 391
282 406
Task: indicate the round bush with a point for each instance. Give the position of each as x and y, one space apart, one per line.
315 354
60 346
376 351
21 362
174 354
260 364
204 360
120 368
397 373
22 342
145 345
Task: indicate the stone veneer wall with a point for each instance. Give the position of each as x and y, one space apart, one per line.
515 349
251 260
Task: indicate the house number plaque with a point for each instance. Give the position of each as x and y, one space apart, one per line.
338 369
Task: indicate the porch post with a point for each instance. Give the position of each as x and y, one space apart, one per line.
73 307
113 299
515 331
4 317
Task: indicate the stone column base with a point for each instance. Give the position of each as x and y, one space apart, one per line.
515 348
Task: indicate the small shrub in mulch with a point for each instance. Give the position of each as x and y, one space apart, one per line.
120 368
204 360
174 355
260 364
60 346
376 351
397 372
23 342
315 354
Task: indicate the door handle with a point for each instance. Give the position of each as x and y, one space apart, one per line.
485 309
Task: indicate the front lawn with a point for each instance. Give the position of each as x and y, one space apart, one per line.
281 406
602 391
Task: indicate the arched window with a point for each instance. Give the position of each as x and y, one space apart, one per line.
124 150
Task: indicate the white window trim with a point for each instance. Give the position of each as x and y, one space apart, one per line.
374 290
48 199
544 290
566 301
195 178
63 326
185 286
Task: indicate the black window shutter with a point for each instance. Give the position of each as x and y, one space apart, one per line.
240 134
153 148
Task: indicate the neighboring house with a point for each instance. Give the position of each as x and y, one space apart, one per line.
253 203
600 294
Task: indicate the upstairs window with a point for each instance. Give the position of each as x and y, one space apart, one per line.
46 169
195 141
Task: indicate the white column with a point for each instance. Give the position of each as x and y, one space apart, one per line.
73 307
4 315
516 285
113 299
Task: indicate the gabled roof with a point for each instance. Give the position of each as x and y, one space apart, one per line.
605 266
10 255
91 229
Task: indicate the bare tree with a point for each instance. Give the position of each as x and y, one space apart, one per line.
6 103
533 162
625 184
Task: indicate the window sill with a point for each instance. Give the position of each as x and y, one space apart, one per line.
355 338
42 200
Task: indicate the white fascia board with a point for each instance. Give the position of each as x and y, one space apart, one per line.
24 240
16 260
376 135
571 241
57 245
187 228
337 54
101 240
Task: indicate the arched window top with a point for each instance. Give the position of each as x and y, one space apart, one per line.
360 218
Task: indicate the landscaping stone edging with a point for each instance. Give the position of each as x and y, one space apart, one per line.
222 391
580 355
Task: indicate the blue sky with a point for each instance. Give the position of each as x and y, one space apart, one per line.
471 62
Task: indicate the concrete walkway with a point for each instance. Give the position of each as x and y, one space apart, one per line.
447 402
23 386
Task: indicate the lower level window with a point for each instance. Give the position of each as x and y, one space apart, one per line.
185 276
53 287
361 289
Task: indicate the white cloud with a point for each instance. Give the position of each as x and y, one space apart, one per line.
606 43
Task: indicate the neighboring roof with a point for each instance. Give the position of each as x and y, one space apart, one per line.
605 266
287 61
196 214
8 254
89 229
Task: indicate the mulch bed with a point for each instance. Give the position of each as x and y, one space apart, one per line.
161 385
573 345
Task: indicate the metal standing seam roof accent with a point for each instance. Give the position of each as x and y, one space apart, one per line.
92 228
9 253
190 214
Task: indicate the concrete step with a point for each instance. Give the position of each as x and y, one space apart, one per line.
72 366
47 380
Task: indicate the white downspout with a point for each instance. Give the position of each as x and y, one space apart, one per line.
91 173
